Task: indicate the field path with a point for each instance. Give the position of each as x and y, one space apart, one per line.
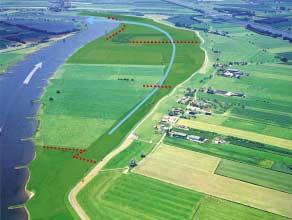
73 193
72 197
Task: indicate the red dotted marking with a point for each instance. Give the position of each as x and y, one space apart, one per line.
62 148
71 149
115 33
113 18
157 86
163 42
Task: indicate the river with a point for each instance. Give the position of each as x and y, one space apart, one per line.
17 112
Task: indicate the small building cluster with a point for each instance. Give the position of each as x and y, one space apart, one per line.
188 137
232 73
225 93
193 106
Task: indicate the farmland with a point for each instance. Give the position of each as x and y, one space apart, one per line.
256 175
189 58
111 193
265 108
285 143
195 171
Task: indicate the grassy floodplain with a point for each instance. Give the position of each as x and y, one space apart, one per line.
89 102
62 173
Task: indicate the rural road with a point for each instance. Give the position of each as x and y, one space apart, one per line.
21 84
72 197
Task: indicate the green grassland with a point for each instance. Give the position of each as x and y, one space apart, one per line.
266 108
90 101
215 209
55 206
113 195
8 59
255 175
236 152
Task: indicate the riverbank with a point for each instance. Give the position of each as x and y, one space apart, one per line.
64 177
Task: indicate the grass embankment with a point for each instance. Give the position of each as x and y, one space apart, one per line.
50 200
8 59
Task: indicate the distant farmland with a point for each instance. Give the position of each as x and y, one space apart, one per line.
196 171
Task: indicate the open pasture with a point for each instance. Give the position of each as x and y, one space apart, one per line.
169 164
113 195
91 100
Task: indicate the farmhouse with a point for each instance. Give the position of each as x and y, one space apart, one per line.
178 134
224 93
197 139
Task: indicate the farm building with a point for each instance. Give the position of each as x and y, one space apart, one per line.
197 139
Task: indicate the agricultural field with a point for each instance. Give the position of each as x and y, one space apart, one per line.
284 143
266 83
112 192
93 58
196 171
114 195
255 175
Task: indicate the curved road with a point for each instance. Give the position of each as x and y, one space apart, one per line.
24 83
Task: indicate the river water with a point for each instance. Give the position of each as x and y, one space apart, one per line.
17 112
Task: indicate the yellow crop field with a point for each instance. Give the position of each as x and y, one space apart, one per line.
279 142
196 171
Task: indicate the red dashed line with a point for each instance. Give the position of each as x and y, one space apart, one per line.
122 29
157 86
74 156
163 42
113 18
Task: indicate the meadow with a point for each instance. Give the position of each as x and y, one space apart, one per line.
196 171
188 59
90 101
255 175
147 198
266 83
114 195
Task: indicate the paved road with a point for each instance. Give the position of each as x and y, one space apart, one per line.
161 81
16 106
